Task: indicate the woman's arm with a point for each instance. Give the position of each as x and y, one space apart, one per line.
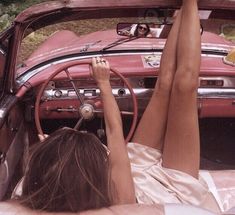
120 164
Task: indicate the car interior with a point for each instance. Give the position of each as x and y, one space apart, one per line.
50 85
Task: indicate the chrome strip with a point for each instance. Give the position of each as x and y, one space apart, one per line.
70 94
2 52
139 92
218 47
216 93
2 112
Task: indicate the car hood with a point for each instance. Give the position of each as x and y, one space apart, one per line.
64 43
67 42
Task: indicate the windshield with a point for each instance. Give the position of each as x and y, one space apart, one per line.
89 35
78 28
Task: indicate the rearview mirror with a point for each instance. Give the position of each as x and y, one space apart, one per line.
150 30
154 30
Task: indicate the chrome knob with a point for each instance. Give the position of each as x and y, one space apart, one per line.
58 93
87 111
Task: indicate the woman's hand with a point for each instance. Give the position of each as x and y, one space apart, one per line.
100 70
42 137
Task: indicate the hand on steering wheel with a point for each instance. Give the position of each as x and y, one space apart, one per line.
100 70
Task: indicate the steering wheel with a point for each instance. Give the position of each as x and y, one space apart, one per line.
86 109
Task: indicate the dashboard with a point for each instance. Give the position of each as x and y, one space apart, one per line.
60 100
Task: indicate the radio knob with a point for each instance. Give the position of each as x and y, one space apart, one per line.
58 93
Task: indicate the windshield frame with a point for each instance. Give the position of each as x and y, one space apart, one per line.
81 10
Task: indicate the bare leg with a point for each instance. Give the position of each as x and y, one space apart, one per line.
157 109
182 147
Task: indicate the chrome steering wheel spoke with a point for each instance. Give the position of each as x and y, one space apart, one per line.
74 86
78 124
130 113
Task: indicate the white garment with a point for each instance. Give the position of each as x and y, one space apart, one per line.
180 209
156 184
155 32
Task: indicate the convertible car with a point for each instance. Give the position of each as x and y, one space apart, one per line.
45 62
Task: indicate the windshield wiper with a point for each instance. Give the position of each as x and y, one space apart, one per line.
118 42
88 46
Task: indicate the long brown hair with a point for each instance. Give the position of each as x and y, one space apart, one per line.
69 171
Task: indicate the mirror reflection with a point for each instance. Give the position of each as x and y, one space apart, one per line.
140 29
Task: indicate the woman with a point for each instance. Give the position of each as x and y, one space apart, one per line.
165 157
141 30
73 171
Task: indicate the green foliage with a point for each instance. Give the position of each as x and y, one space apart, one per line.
8 2
24 3
4 21
228 31
9 9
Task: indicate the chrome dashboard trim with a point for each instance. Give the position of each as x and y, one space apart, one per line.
141 89
139 92
216 93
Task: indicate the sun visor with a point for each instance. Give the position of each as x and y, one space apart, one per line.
230 58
